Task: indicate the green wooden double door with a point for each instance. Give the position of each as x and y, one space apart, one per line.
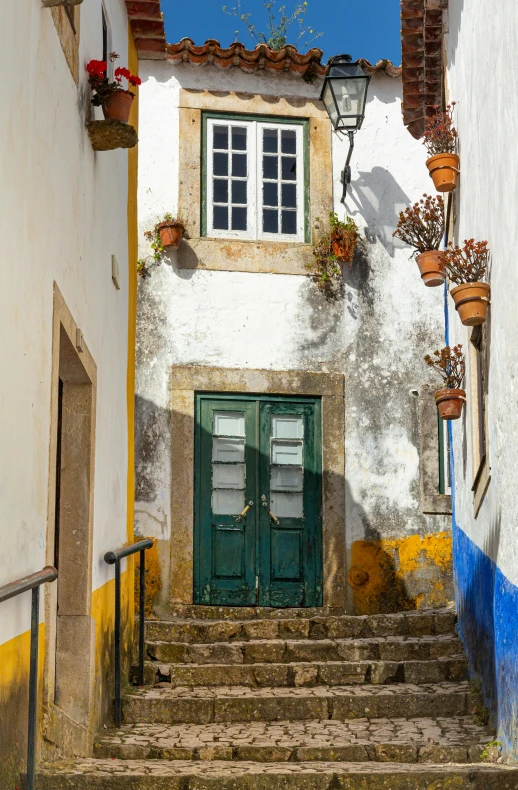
258 501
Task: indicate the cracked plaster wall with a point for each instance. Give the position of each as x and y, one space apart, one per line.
376 332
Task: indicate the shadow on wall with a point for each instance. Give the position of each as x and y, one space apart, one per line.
384 574
378 198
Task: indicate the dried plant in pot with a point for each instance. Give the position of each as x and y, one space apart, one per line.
334 248
422 227
450 365
115 100
466 266
440 138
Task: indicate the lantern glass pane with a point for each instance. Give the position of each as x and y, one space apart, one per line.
330 105
350 97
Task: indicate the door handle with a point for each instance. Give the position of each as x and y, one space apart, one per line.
243 513
272 515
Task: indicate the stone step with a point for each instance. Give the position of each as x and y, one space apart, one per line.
187 775
291 624
328 673
277 651
204 705
456 740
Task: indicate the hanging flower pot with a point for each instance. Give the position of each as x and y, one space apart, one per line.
440 137
471 302
431 267
422 226
118 106
450 403
466 266
444 170
343 246
449 363
170 234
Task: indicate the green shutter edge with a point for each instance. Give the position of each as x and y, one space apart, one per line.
304 122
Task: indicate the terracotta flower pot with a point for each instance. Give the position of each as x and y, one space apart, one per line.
450 403
171 234
343 246
444 170
118 106
471 302
431 267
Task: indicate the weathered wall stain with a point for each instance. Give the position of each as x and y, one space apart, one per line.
409 573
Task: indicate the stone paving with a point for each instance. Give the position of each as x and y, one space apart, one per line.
274 712
185 775
396 740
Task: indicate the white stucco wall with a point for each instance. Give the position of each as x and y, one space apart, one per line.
63 216
376 334
483 80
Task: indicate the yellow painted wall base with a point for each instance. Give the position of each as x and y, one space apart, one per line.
14 699
405 573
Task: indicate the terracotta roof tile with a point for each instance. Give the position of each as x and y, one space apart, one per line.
147 25
421 47
288 59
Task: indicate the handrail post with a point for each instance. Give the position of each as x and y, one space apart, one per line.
142 618
33 690
117 643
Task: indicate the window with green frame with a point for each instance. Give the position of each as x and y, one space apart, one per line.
255 178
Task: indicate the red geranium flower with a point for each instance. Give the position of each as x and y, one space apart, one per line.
133 80
96 68
121 72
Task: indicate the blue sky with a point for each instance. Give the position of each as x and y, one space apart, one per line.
363 28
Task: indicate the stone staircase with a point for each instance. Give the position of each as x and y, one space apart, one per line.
295 700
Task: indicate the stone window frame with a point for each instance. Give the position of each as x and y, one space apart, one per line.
186 382
275 257
431 500
253 123
478 413
68 30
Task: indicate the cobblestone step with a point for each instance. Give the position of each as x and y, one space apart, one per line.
242 625
204 705
277 651
328 673
218 775
443 740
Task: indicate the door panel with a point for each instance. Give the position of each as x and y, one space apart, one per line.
290 492
262 454
226 479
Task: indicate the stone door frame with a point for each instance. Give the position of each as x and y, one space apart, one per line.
186 381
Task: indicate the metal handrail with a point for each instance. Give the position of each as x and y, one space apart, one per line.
32 582
114 558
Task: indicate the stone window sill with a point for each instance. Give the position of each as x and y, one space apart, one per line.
232 255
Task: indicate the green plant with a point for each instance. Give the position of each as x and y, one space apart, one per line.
326 264
466 264
449 364
153 237
439 134
422 225
482 715
278 23
491 748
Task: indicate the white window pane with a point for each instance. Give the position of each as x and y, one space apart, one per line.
284 452
228 475
286 505
229 423
227 502
230 451
285 478
289 426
